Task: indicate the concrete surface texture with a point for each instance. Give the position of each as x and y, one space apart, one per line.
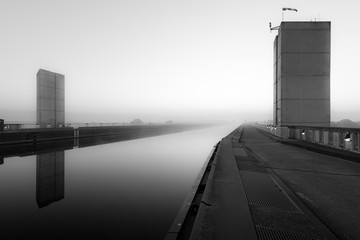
50 99
302 74
327 185
259 188
226 214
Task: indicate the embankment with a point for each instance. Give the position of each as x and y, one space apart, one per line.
36 135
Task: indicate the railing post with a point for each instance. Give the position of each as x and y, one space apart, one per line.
331 138
310 135
297 133
292 132
326 137
336 142
316 136
355 140
341 140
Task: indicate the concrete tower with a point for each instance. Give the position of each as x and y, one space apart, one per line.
50 99
302 74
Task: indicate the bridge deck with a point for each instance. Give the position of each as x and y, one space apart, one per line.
259 188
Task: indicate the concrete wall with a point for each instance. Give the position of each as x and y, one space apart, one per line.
35 135
136 131
127 132
50 99
329 136
302 74
50 182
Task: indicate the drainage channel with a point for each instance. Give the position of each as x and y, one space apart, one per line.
184 221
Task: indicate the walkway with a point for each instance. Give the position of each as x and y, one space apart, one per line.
259 188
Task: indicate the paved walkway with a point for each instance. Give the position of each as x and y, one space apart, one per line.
261 189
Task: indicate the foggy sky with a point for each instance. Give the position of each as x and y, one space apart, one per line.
160 60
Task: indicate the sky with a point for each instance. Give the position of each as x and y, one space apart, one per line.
161 60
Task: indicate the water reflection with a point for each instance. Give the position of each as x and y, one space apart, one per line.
124 189
50 178
50 164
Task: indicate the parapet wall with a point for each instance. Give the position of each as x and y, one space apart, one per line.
25 136
341 138
35 135
136 131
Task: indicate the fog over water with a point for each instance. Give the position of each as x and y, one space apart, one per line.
125 190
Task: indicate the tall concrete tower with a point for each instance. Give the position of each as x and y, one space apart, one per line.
50 99
302 74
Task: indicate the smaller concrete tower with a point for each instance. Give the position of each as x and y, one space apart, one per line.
50 99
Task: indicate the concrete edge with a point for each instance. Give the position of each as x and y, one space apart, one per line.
178 223
224 218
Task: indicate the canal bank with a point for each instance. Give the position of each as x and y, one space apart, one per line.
258 188
35 135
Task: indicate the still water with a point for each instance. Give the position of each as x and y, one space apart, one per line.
122 190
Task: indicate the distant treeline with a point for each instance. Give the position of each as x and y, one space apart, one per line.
347 123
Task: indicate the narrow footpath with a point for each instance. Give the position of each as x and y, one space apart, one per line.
259 188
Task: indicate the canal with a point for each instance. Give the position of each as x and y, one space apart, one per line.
120 190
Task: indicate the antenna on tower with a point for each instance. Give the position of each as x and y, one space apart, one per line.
273 28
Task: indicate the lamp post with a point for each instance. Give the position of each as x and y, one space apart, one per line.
286 9
347 137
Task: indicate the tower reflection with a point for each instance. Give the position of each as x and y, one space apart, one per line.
50 162
50 178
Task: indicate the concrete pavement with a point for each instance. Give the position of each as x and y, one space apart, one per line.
259 188
328 186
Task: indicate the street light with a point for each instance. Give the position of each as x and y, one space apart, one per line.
287 9
347 137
